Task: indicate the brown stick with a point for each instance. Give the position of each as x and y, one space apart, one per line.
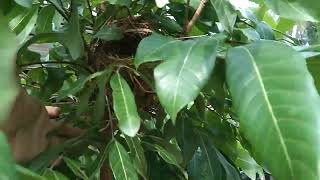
195 16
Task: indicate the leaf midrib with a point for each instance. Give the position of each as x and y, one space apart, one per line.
270 109
124 100
121 160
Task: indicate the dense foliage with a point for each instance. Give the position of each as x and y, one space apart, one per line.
189 89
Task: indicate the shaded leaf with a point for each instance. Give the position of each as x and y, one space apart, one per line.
75 168
109 34
124 106
72 35
154 48
120 163
226 14
44 21
54 175
26 174
24 3
6 161
126 3
272 80
186 71
137 155
265 31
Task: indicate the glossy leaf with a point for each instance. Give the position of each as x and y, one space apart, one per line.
275 98
24 23
154 48
72 35
186 71
120 163
265 31
226 14
8 89
6 161
124 106
24 3
300 10
44 21
137 155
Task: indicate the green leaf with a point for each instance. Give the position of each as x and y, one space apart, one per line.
154 48
137 155
277 103
24 22
265 31
226 14
6 162
120 163
98 163
109 33
8 87
44 21
72 35
54 175
26 174
186 71
247 164
299 10
24 3
124 106
126 3
75 168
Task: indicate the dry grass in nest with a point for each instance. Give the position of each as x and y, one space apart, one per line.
122 51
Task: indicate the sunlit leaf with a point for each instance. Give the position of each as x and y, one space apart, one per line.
272 81
183 75
120 162
226 14
124 106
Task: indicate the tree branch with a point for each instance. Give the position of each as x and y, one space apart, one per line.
91 12
196 16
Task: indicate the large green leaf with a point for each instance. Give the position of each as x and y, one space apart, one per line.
124 106
6 162
109 33
301 10
26 174
8 89
24 3
120 162
72 36
186 71
277 103
24 22
44 21
226 14
154 48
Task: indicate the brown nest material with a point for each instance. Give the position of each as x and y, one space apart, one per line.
134 30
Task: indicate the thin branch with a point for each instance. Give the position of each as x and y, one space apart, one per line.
110 117
91 12
196 16
59 10
56 62
186 17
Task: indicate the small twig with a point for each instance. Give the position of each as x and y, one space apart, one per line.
142 30
191 37
59 11
110 116
56 162
91 12
56 62
140 85
196 16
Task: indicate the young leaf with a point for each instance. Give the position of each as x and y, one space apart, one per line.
137 155
226 14
124 106
154 48
186 71
44 21
299 10
72 36
277 103
120 163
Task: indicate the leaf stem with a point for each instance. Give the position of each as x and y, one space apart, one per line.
59 11
196 16
91 12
